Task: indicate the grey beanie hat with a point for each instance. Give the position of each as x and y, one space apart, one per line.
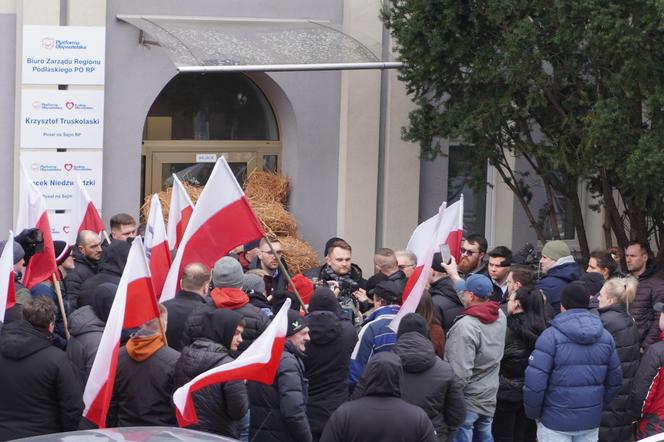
19 253
227 272
555 250
253 282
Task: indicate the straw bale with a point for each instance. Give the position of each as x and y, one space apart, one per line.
262 185
298 254
275 217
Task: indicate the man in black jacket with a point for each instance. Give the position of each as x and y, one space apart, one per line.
327 361
279 411
87 256
269 264
428 381
446 302
378 413
113 262
39 389
195 284
219 407
143 389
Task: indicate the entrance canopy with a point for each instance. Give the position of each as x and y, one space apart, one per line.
205 44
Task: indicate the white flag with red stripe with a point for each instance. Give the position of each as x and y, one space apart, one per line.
447 228
427 232
134 304
32 213
257 363
222 220
156 245
179 213
7 289
84 214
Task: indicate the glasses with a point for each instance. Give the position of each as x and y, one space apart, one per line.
468 252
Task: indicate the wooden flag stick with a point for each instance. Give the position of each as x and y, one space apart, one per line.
58 293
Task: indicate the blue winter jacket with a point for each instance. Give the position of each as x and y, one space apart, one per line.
555 279
573 371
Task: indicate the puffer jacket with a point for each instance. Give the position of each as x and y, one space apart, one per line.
255 320
84 269
649 291
219 407
519 344
474 348
39 391
279 411
86 330
113 261
555 280
327 364
430 383
647 398
616 419
447 304
573 372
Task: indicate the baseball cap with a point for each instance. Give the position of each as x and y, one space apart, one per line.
478 285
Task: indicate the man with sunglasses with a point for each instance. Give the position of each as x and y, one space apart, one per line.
473 250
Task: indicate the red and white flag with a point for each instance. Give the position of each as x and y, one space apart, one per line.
32 213
7 289
134 304
257 363
84 214
156 245
447 228
222 220
179 213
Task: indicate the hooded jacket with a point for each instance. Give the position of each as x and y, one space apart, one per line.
430 383
40 392
255 321
86 330
649 291
519 344
446 302
616 419
474 347
112 265
219 407
279 411
647 398
572 374
327 361
556 279
143 389
84 269
179 309
378 413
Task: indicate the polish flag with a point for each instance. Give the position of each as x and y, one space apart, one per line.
447 229
134 305
257 363
179 213
7 289
425 233
156 245
221 220
84 214
32 213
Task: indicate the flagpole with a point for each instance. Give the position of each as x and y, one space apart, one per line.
58 292
282 269
105 233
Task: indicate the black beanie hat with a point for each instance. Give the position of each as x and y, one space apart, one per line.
279 298
295 322
575 295
593 281
323 299
412 322
437 262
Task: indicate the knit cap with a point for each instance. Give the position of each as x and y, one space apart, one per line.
254 283
227 272
412 322
19 253
295 322
555 250
62 251
574 295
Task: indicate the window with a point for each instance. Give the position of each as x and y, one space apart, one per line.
460 181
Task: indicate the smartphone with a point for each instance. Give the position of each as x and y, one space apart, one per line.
445 253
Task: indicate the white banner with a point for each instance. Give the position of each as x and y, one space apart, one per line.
63 54
67 119
54 174
59 225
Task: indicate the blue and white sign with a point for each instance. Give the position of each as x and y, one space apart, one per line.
54 174
63 54
69 119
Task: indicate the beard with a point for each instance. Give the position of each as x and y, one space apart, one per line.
467 265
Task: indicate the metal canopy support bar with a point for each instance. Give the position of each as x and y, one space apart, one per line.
293 67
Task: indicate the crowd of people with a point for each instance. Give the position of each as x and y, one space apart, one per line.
495 351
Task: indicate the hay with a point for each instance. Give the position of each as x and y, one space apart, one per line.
267 186
298 254
267 193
